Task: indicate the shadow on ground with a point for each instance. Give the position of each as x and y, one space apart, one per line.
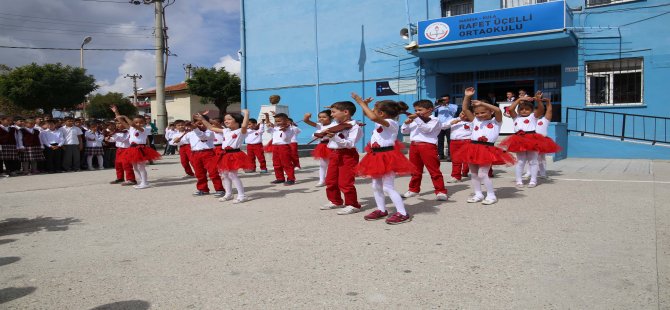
11 293
12 226
8 260
125 305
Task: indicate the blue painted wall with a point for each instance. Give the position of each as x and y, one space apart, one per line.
359 44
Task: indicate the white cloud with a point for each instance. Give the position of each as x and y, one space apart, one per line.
231 64
134 62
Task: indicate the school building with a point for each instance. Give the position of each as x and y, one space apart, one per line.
603 63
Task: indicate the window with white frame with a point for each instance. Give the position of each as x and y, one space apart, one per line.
515 3
592 3
613 82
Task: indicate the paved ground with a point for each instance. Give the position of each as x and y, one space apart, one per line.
595 236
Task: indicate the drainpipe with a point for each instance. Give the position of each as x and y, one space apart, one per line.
316 46
243 57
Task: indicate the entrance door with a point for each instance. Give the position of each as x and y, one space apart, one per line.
497 93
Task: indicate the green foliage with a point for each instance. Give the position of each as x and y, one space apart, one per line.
216 86
99 107
47 87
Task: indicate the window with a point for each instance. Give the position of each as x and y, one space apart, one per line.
515 3
592 3
456 7
614 82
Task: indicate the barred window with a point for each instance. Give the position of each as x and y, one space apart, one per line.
614 82
515 3
456 7
592 3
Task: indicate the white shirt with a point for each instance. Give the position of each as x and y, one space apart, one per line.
200 140
461 131
346 139
121 139
485 131
232 138
182 135
255 136
169 136
49 137
542 126
525 123
218 138
71 135
384 136
93 139
296 132
137 137
420 131
280 137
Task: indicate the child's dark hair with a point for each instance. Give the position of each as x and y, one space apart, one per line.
237 117
253 121
68 118
290 120
426 104
179 121
327 112
391 108
216 119
345 106
526 104
281 115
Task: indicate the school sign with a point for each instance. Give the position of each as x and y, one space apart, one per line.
518 21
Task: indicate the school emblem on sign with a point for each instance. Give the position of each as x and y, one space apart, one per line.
436 31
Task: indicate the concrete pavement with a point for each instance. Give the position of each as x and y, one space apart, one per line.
596 235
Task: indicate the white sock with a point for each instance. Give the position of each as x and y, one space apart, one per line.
393 194
476 181
238 184
100 163
323 170
484 177
378 193
522 158
533 165
89 161
542 165
227 184
141 172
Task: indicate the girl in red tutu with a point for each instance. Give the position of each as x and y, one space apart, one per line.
233 159
138 153
481 153
321 152
542 128
526 143
383 160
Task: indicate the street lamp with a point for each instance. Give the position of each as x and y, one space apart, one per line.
87 40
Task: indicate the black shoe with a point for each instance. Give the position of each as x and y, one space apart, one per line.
289 183
117 181
219 194
200 193
277 182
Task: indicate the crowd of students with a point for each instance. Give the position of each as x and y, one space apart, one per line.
211 149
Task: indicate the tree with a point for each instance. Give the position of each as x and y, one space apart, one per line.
216 86
47 87
9 108
99 107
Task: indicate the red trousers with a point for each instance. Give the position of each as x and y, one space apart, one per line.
458 167
341 176
204 162
185 158
122 166
295 158
425 154
282 162
255 151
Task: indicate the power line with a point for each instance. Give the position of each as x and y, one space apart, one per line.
70 33
62 20
70 30
76 49
36 20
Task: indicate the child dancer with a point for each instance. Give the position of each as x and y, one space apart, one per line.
343 159
383 160
121 140
93 146
461 132
203 157
233 159
281 151
32 151
525 142
254 141
138 153
184 147
423 129
218 136
481 153
321 152
295 157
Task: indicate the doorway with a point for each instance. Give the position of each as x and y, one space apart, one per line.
500 89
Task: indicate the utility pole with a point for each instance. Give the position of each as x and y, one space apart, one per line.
161 109
135 77
188 68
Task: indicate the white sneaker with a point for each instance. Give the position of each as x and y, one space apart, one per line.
442 197
531 185
474 199
489 201
320 184
296 168
409 194
330 206
240 199
526 176
453 180
519 185
142 186
226 198
348 210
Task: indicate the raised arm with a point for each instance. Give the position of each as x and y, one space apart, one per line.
368 112
548 111
496 110
469 92
512 108
306 120
245 121
267 121
207 124
125 122
539 110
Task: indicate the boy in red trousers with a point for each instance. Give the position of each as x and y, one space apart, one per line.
281 150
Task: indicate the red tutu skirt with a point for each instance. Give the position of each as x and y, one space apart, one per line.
378 164
523 142
321 151
268 148
482 154
140 153
233 161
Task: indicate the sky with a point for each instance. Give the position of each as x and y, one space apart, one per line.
203 33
